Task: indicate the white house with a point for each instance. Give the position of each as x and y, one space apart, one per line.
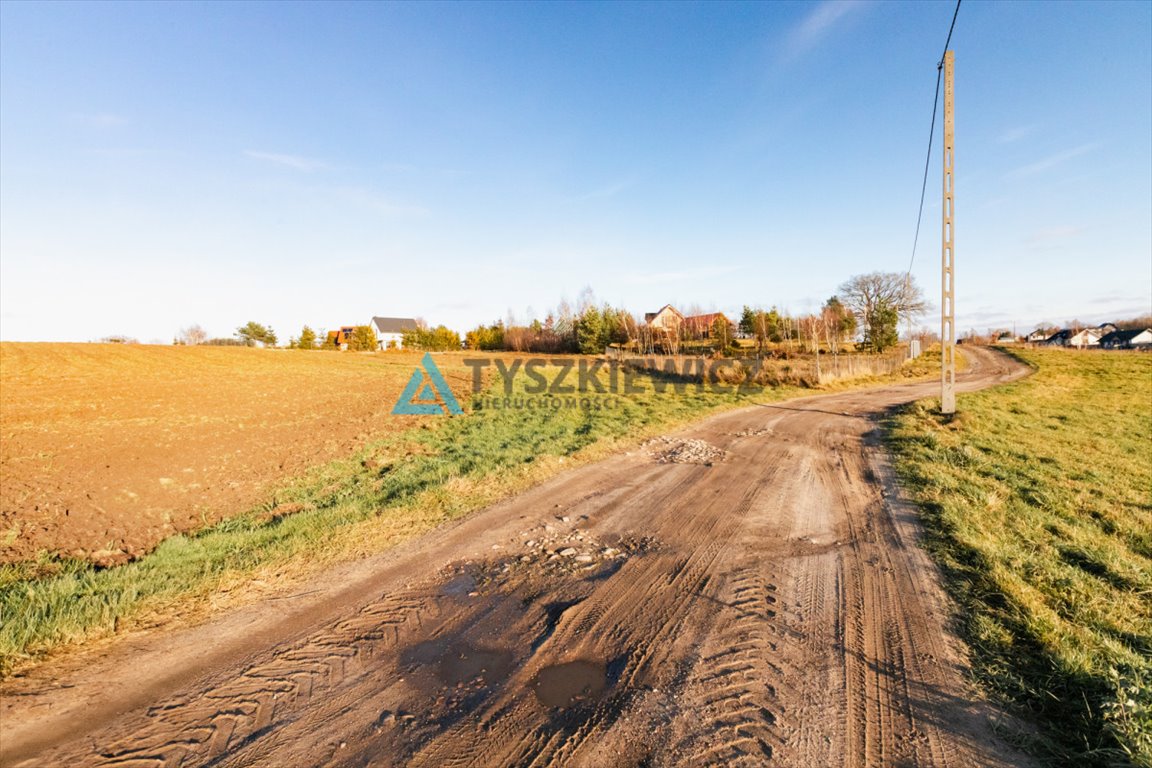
1133 339
390 331
1089 337
667 318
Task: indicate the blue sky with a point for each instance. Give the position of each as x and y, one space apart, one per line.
163 164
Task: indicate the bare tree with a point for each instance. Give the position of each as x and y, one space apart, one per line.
193 335
839 323
670 337
586 299
810 328
880 300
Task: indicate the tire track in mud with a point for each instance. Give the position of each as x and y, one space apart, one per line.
769 609
228 716
731 678
604 627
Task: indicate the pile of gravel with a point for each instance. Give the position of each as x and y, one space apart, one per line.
554 550
677 450
750 432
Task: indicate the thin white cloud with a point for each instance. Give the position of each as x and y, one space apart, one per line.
817 24
1015 134
1052 161
1116 298
296 162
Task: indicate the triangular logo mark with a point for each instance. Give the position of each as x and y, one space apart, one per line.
427 394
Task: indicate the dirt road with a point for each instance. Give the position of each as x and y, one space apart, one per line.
769 606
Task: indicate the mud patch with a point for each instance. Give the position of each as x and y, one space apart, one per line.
460 663
460 585
571 683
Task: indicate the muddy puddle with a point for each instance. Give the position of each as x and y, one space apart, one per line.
562 685
462 662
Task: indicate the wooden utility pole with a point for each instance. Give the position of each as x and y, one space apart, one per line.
948 258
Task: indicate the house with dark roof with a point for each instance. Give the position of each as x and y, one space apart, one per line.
1135 339
1089 337
390 331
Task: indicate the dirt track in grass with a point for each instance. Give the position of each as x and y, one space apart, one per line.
758 598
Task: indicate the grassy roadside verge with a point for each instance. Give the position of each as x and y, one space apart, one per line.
390 491
1037 503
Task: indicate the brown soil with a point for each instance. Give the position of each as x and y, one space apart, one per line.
109 449
769 606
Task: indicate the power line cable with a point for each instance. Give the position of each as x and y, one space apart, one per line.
931 135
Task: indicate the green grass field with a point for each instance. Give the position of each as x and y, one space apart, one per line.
1037 499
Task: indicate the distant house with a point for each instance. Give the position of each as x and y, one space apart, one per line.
340 338
1039 336
700 326
1137 339
667 318
1089 337
390 331
1105 329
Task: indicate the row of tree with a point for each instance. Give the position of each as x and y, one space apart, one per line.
869 306
588 330
438 339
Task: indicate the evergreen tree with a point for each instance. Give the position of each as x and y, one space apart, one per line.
748 320
307 339
363 339
590 331
254 333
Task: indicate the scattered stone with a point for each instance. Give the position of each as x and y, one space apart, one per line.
584 558
567 552
676 450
